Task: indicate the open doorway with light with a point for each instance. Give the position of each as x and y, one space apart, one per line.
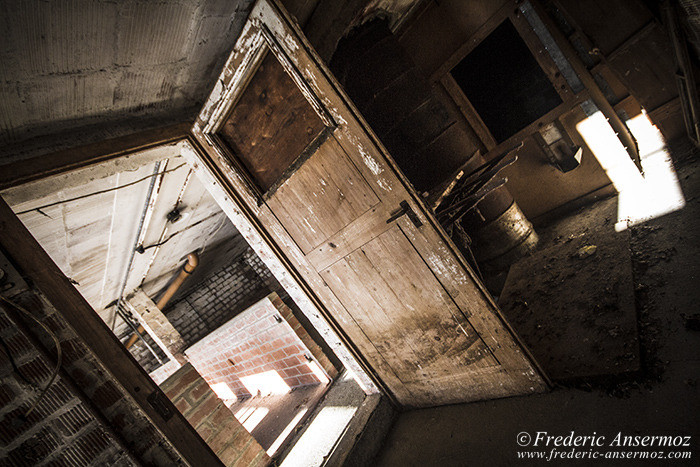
146 244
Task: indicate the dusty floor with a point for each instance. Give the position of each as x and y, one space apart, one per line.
271 419
572 300
663 398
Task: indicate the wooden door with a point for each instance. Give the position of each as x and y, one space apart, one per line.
292 149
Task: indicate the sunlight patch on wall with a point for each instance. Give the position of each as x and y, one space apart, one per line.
640 197
266 383
224 393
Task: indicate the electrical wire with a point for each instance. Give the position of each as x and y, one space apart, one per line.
15 368
59 353
56 203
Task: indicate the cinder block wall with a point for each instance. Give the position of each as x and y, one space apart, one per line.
213 421
215 301
257 340
85 418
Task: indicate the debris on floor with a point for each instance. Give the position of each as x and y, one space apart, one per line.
572 300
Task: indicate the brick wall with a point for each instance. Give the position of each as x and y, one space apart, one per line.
85 417
216 300
213 421
257 340
295 317
219 298
321 357
140 352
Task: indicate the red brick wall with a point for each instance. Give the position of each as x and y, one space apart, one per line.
251 343
315 349
213 421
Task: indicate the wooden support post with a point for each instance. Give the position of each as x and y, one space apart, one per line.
588 81
157 326
35 264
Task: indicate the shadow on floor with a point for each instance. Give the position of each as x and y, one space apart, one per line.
663 399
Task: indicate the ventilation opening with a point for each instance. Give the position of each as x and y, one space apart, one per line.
504 83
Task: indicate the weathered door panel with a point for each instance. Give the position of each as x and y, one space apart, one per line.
293 150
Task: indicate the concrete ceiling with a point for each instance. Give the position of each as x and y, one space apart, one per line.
89 226
93 69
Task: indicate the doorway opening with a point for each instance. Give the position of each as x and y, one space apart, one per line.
230 342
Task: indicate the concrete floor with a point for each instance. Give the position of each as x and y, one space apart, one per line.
662 399
273 419
315 441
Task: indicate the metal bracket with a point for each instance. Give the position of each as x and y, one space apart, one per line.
161 404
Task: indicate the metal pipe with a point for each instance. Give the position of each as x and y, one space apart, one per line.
139 230
187 270
137 334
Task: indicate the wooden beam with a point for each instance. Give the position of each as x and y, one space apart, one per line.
157 325
471 43
17 173
35 264
469 112
550 116
588 81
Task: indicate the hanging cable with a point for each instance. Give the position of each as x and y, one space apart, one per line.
59 353
56 203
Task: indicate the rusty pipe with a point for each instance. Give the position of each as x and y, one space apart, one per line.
185 272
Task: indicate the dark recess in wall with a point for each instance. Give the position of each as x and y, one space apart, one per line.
504 83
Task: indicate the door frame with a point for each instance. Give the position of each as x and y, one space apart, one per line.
247 202
245 221
29 257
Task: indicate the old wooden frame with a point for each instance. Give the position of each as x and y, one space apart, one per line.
442 75
276 261
231 185
592 90
266 43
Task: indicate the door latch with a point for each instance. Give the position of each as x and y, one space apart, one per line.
404 208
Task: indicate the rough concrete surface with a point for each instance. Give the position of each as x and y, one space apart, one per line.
664 399
107 67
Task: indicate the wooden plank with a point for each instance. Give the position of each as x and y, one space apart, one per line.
542 56
24 171
328 193
550 116
476 38
258 129
34 263
469 112
632 40
647 67
607 24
